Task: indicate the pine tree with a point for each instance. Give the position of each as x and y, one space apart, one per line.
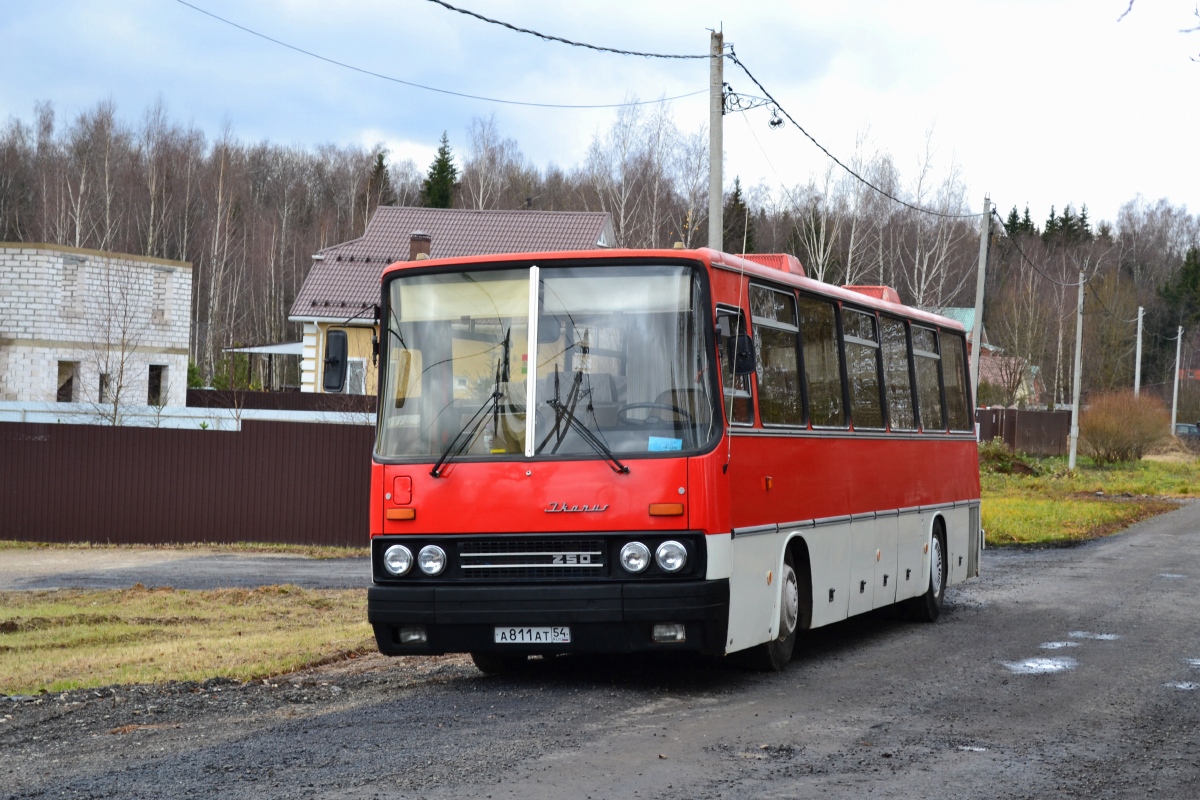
739 228
442 180
379 185
1013 224
1182 292
1027 225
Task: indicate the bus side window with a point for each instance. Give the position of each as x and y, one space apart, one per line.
822 362
773 314
897 375
954 373
862 366
927 360
738 400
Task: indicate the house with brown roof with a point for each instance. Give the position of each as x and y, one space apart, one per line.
336 303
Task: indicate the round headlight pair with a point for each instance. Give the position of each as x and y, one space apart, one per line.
671 556
398 559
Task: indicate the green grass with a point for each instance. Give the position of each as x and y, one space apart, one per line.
71 639
1058 506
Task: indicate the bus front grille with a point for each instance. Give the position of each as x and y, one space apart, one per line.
507 558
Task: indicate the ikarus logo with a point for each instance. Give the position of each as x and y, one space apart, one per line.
563 508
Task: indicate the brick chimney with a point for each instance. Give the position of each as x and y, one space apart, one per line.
418 245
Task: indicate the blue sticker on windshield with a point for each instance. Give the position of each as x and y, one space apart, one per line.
660 444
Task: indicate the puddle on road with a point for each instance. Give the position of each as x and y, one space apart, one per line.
1057 645
1102 637
969 748
1187 686
1171 575
1040 666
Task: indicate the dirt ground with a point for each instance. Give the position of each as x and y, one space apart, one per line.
1060 673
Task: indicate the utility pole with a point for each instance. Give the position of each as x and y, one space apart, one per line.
716 151
985 233
1137 361
1175 394
1075 380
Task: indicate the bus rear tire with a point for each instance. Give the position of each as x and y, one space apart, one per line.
773 656
496 663
928 607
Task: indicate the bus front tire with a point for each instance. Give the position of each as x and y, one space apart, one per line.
774 655
497 663
928 607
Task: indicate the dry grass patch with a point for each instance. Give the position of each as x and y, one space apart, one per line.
1057 506
1016 520
70 639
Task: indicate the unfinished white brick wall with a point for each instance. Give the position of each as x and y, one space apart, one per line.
111 313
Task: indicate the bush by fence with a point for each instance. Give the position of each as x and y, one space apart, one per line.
1119 427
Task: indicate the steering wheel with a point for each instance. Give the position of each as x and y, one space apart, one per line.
625 409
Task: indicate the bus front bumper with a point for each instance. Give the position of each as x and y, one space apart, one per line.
602 618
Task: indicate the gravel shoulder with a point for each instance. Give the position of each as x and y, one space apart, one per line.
874 706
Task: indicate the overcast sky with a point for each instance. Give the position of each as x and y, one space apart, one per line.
1035 101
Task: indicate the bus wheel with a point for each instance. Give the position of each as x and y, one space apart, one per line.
495 663
928 607
774 655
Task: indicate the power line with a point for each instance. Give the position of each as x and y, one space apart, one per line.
733 57
549 38
392 79
1026 258
1104 305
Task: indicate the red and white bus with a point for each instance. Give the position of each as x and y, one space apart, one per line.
659 450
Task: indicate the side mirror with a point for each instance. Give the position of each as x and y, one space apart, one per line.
336 353
742 347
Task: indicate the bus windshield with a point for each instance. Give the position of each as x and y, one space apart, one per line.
620 363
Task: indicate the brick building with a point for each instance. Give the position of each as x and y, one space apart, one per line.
87 326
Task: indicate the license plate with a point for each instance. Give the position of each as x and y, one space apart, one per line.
552 635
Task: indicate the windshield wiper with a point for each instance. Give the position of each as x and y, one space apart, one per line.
471 427
566 413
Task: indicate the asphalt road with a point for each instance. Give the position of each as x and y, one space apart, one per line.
120 568
1060 673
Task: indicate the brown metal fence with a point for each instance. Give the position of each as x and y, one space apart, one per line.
1039 433
271 482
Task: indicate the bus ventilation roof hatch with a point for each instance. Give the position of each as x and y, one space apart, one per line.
784 262
885 293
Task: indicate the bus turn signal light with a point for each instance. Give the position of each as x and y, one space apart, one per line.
666 509
401 513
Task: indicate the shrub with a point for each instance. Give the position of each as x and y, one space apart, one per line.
1119 427
994 456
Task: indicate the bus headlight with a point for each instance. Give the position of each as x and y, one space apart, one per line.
671 556
635 557
397 559
431 559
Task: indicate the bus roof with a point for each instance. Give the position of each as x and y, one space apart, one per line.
779 271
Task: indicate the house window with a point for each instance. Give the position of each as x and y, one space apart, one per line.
68 372
157 393
356 376
103 394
